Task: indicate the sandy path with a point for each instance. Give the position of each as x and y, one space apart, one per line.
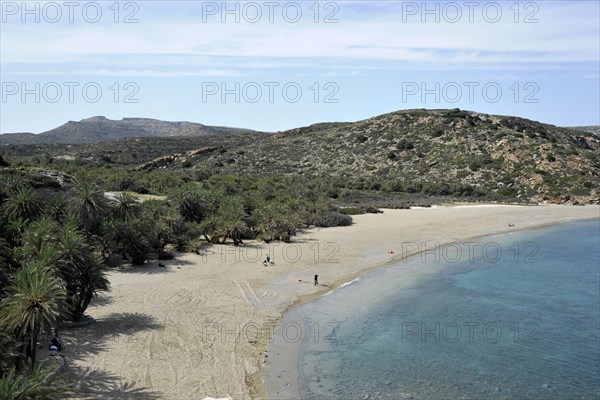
200 326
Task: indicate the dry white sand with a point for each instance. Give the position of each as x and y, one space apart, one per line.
200 327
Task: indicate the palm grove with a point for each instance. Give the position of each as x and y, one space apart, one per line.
59 240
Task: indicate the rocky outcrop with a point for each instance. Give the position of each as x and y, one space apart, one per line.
166 161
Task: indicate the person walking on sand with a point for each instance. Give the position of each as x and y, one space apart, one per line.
316 279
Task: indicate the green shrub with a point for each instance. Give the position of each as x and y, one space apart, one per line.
165 254
404 144
333 218
506 191
456 113
350 211
462 174
361 138
580 191
475 165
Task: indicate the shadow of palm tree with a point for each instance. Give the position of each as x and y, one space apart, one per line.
83 341
153 267
298 240
126 324
98 384
253 245
92 338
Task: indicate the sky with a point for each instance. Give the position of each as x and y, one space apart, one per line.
276 65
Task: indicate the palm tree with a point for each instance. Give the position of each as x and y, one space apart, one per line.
14 230
6 260
278 221
130 239
137 247
8 352
11 183
57 208
189 205
64 250
82 271
157 221
210 228
39 244
34 302
22 203
87 204
38 236
231 216
125 206
40 384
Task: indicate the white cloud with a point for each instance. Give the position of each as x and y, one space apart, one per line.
565 33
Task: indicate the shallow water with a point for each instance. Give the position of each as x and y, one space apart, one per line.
512 316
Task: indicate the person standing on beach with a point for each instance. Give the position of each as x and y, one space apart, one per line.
316 279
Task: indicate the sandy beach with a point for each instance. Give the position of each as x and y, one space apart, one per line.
200 326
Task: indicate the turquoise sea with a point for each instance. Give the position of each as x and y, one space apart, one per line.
513 316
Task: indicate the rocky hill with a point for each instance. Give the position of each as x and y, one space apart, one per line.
590 129
436 152
455 153
100 129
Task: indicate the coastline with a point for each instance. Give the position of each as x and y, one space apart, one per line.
282 373
258 378
245 293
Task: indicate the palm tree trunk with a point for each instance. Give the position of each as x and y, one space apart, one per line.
82 305
34 339
22 350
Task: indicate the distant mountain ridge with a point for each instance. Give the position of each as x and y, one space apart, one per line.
101 129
